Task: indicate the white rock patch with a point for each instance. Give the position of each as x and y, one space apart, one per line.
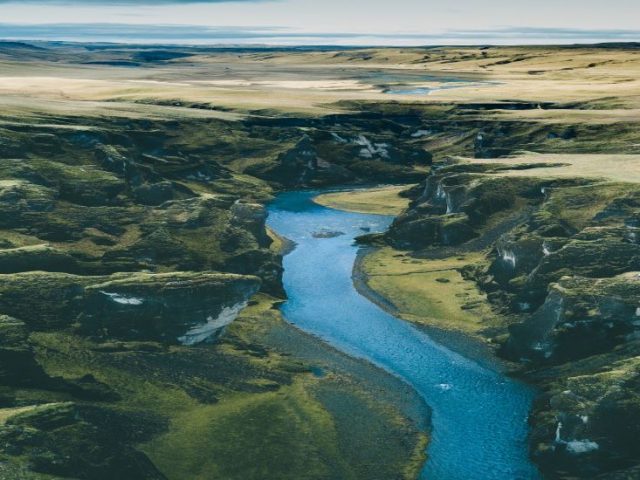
202 332
509 257
338 138
524 306
421 133
122 299
578 447
558 432
370 149
449 204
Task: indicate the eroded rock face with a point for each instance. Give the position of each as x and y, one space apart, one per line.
516 257
453 208
594 253
263 263
162 307
585 425
252 217
187 307
414 231
297 166
581 317
345 155
37 257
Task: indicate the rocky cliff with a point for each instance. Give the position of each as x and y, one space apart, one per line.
560 267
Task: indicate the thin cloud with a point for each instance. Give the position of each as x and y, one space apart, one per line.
125 2
128 33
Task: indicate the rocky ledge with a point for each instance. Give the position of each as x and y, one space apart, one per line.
173 307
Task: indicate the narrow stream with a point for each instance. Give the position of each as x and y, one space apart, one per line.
479 415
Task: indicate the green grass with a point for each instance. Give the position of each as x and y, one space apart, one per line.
272 418
381 201
429 292
577 206
285 435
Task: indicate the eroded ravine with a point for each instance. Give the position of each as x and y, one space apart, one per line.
479 415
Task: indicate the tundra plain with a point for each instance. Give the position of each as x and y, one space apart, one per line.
138 175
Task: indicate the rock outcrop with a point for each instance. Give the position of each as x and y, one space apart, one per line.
452 208
581 317
339 157
36 257
176 307
186 307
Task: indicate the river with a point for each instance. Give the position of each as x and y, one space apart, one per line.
479 416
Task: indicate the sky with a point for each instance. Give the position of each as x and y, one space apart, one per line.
327 22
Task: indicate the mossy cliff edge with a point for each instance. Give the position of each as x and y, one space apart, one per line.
544 268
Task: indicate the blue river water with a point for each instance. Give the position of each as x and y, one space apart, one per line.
479 415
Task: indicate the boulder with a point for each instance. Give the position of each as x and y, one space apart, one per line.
414 231
262 263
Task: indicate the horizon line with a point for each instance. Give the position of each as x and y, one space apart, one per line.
183 34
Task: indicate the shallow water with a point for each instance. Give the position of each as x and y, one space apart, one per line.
421 90
411 84
479 416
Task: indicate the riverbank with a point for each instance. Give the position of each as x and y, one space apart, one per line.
460 333
380 200
324 302
431 294
326 405
549 256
